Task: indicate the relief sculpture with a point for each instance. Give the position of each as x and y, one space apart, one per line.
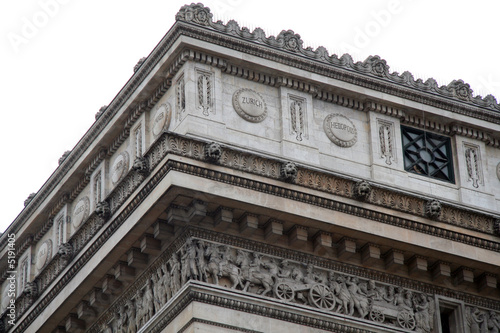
481 321
287 281
473 161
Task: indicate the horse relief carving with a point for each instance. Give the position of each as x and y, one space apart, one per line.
283 279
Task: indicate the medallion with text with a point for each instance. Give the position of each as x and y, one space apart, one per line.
250 105
340 130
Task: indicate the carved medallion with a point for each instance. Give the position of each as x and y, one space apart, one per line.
119 167
81 211
340 130
44 254
250 105
161 119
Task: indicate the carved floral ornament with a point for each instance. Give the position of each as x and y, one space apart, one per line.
196 13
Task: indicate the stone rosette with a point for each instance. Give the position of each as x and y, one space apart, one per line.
340 130
250 105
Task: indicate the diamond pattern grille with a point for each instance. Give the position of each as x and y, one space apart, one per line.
427 154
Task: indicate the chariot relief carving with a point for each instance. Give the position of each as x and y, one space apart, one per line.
298 112
473 163
205 92
280 278
386 139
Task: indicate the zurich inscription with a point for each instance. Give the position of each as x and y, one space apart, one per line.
340 130
250 105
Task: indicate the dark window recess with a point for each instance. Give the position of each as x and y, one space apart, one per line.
427 154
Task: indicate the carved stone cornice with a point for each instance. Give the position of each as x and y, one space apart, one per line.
263 166
372 73
215 324
101 122
204 295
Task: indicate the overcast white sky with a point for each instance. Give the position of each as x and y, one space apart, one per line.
62 60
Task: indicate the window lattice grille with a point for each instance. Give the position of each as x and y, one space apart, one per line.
427 154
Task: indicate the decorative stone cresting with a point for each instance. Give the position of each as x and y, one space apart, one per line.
30 197
373 65
63 157
101 111
139 64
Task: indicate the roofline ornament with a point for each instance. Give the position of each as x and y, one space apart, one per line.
374 66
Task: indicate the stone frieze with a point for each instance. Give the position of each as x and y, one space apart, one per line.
299 282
